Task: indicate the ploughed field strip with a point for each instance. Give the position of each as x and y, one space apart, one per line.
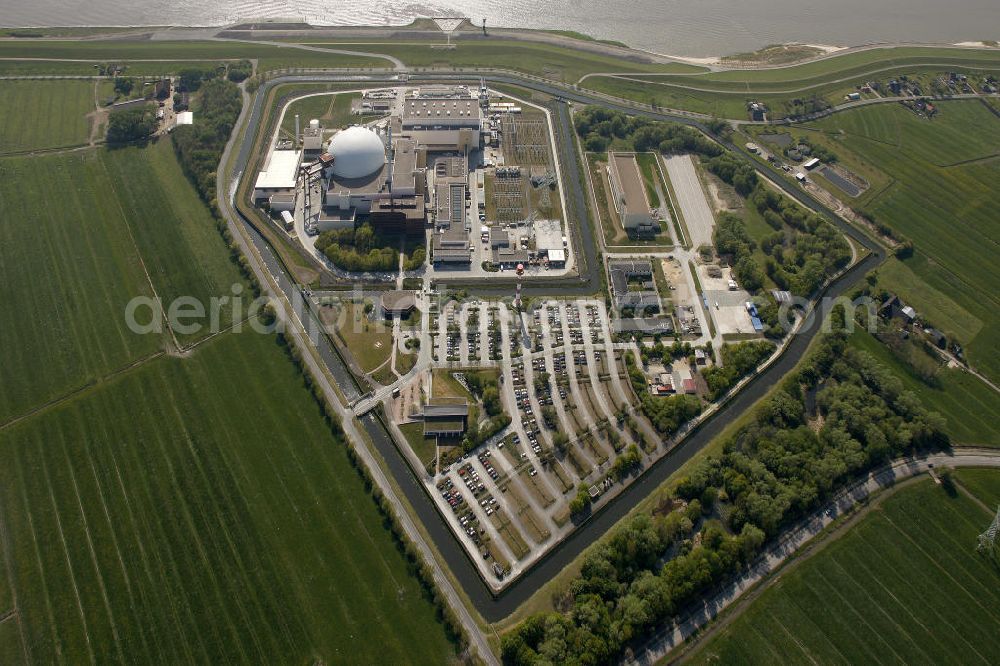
127 224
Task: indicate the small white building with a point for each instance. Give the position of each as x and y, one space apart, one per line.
280 173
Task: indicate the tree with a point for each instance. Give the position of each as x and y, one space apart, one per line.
131 125
239 71
748 273
190 79
491 401
559 441
123 86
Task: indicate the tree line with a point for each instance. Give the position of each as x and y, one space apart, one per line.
199 146
830 422
599 128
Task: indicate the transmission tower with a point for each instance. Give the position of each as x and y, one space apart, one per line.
988 539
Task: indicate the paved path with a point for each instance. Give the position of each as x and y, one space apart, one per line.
799 535
691 199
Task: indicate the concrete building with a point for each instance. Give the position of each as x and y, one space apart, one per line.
363 178
280 173
450 246
312 138
397 304
506 251
638 308
282 202
443 118
628 192
445 417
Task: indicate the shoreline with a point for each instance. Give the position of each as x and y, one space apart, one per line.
425 28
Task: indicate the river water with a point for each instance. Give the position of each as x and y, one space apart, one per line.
690 28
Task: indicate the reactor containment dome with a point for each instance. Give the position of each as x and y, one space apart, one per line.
357 152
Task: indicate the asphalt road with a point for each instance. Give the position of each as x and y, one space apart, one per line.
495 607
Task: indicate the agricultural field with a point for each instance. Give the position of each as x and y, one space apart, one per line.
150 512
968 405
69 269
941 195
164 517
44 114
905 585
174 232
983 483
126 223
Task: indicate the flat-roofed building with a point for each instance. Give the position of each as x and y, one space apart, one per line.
443 118
399 303
445 417
628 192
279 175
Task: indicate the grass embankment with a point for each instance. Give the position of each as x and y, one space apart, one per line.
725 93
184 509
904 584
941 177
194 52
554 62
44 114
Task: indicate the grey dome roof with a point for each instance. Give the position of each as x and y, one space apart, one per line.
357 152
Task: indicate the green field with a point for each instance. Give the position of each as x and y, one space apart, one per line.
983 483
904 585
333 111
166 516
966 402
81 232
166 508
942 176
68 270
44 114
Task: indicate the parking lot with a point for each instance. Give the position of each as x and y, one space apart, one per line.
726 300
563 382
